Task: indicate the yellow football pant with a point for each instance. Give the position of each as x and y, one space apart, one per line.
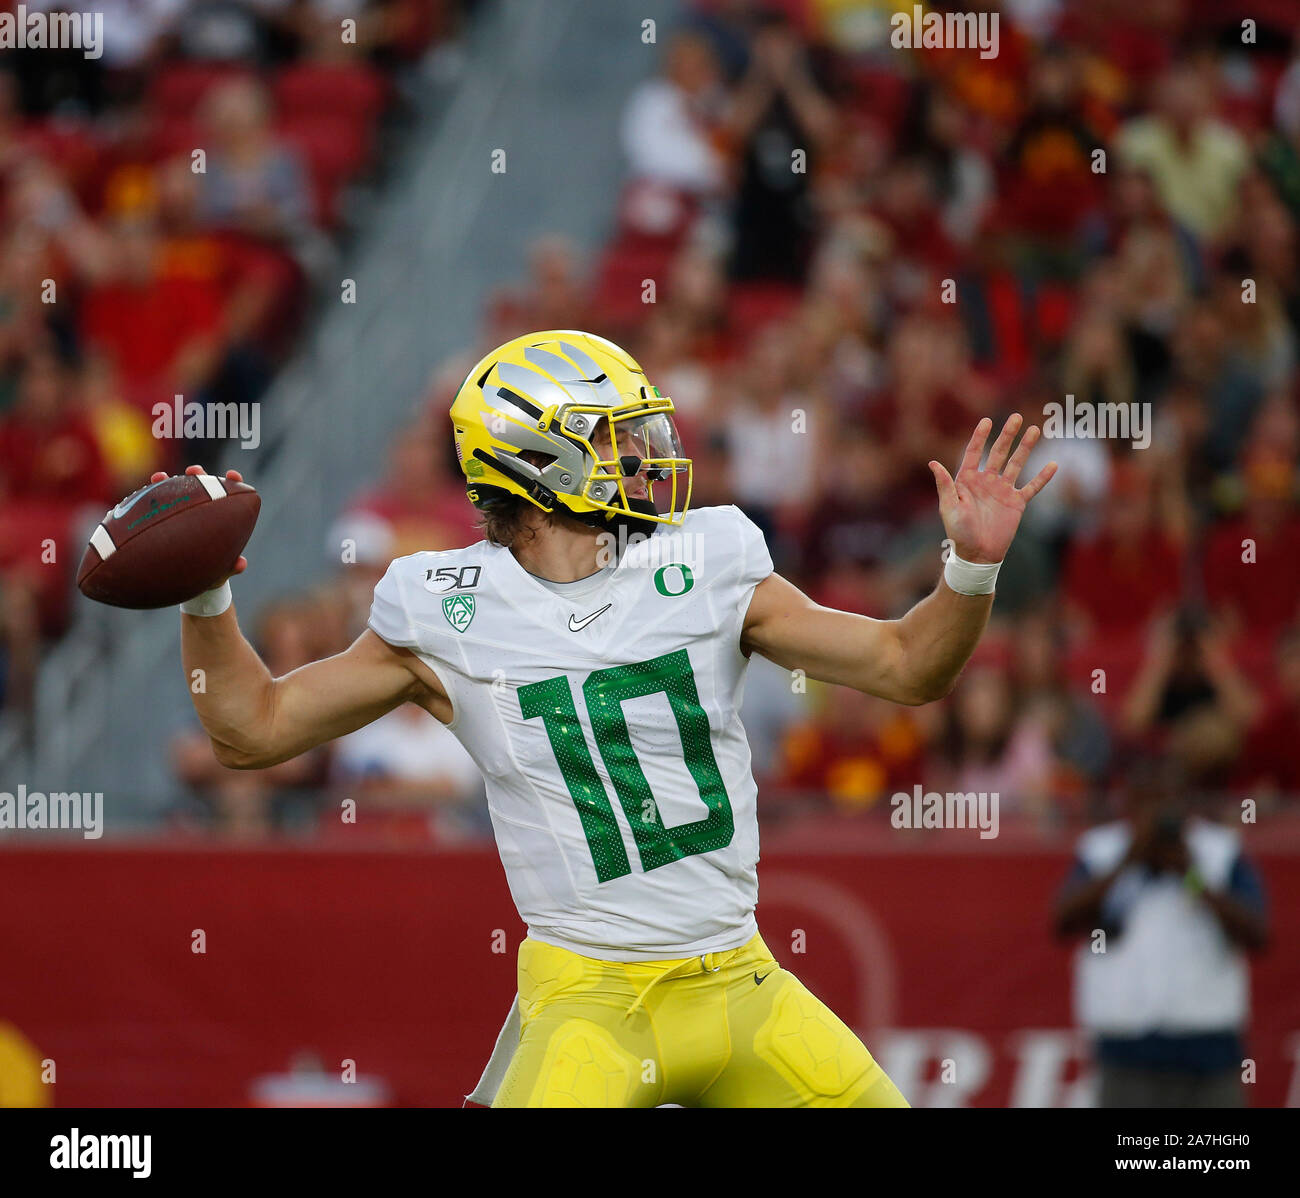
730 1029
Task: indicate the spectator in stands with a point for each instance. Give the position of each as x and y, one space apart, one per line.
1190 700
44 210
933 397
1170 907
220 31
854 752
1260 336
1268 241
24 264
411 778
1154 278
1130 570
665 351
20 635
961 179
991 742
254 183
258 283
907 207
126 443
422 503
1134 203
161 332
554 295
1204 357
861 513
1280 156
780 119
1051 186
1251 577
669 126
1080 740
774 702
840 327
1082 479
1196 160
363 543
134 30
774 435
697 295
1096 367
250 803
48 450
1269 765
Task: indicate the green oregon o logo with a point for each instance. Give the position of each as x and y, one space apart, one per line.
688 580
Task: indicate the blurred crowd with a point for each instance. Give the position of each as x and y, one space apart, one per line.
836 256
164 212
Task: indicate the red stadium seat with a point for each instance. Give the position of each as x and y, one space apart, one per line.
620 278
177 135
179 87
751 306
348 92
335 151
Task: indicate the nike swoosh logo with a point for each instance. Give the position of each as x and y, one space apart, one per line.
758 981
576 625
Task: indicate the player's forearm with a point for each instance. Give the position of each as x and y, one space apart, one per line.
936 639
230 686
912 660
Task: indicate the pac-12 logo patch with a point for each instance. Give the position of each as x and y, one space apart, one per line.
459 610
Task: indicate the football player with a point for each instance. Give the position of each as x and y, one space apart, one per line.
590 654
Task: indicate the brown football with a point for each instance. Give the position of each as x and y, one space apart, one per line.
169 541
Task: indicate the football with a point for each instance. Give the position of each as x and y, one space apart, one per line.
168 541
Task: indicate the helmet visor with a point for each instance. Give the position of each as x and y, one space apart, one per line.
640 456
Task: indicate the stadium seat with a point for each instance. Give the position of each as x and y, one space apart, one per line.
348 92
334 150
179 87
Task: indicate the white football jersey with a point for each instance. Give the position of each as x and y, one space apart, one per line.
605 717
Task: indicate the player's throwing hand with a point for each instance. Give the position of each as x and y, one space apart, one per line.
981 509
235 477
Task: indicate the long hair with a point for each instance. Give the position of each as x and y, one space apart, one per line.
502 522
507 522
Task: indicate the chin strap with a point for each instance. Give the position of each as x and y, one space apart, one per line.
621 522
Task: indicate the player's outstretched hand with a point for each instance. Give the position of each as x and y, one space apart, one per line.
235 477
981 509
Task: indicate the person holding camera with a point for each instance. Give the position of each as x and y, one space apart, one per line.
1170 908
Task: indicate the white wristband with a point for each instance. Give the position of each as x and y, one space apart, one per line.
970 578
210 603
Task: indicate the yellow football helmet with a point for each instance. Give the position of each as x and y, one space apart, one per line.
568 420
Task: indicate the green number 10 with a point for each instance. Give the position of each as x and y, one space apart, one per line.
605 692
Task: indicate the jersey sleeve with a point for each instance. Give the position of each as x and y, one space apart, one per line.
747 563
755 560
390 615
